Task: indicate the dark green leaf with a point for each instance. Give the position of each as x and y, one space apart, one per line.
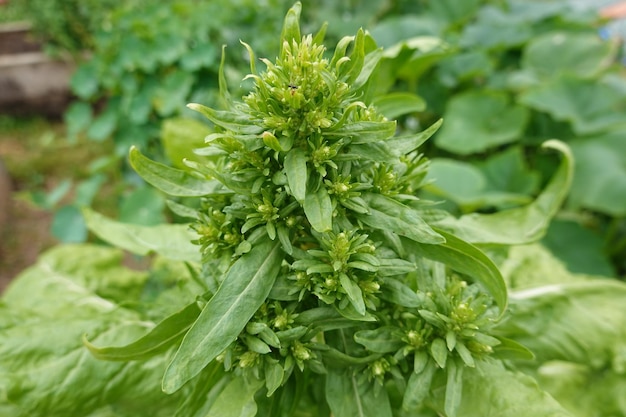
245 287
161 337
388 214
418 387
68 225
353 291
384 339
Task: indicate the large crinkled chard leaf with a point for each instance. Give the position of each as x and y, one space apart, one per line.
44 368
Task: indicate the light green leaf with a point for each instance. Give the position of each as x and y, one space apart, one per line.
489 386
68 225
518 225
291 27
349 395
170 180
296 172
393 105
173 241
244 288
388 214
478 121
582 322
353 291
180 136
44 369
318 209
161 337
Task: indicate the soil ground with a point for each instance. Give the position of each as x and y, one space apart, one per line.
34 157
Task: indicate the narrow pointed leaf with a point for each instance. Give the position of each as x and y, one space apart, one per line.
228 119
390 215
296 171
163 335
245 287
402 145
291 26
172 181
318 209
354 293
173 241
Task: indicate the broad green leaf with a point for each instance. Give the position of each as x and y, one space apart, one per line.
68 225
84 82
479 121
318 209
172 241
582 322
105 123
244 288
600 177
393 105
591 106
142 206
467 259
170 180
582 54
518 225
44 369
508 172
351 395
180 136
296 171
582 249
388 214
161 337
489 386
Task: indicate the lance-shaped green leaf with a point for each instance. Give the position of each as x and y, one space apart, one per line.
390 215
291 27
518 225
418 386
393 105
386 339
351 395
170 180
244 288
402 145
296 171
162 336
365 132
318 209
467 259
228 119
172 241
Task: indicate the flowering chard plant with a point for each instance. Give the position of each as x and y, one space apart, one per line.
326 287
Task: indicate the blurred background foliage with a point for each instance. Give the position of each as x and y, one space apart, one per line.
505 75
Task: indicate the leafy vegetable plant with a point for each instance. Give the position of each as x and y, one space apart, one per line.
320 283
